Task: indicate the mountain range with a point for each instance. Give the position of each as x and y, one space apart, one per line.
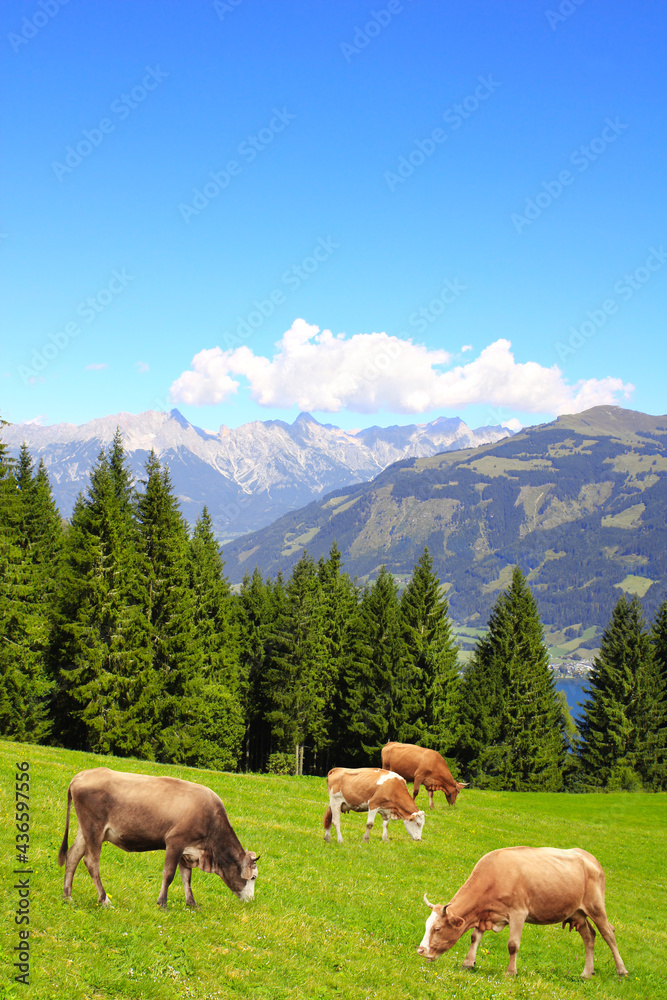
579 503
248 476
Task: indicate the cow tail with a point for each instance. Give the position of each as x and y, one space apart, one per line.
327 818
62 853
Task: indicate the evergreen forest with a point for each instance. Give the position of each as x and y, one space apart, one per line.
120 634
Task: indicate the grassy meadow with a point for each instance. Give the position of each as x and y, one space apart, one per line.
327 920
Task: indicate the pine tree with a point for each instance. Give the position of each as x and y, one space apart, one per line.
340 600
24 622
218 724
374 679
512 723
657 774
101 640
177 652
295 679
617 725
433 683
254 615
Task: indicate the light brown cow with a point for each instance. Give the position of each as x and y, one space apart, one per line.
517 885
139 812
372 790
424 767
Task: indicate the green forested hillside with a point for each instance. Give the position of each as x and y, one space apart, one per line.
327 920
579 504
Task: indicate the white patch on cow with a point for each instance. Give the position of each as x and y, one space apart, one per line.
248 891
415 823
386 777
426 940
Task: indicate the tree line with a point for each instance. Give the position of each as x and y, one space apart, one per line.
120 634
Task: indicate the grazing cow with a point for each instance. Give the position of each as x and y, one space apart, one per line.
424 767
517 885
138 812
372 790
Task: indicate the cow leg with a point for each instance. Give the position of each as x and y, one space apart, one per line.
430 798
186 877
335 819
372 813
416 787
172 857
92 862
599 917
385 824
517 921
588 937
475 938
74 855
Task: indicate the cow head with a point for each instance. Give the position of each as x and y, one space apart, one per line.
239 874
443 930
248 872
451 796
414 824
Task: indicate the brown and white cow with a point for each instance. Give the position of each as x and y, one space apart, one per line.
424 767
139 812
372 790
517 885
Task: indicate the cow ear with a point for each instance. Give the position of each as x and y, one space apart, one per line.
190 859
456 922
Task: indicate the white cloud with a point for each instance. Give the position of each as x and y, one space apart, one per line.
96 368
368 372
142 367
466 347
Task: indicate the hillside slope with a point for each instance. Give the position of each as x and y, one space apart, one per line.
580 504
328 920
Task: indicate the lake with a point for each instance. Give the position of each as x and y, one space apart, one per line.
574 693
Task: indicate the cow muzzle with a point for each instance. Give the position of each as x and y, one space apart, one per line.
424 952
247 893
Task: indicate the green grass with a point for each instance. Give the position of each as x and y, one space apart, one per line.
327 920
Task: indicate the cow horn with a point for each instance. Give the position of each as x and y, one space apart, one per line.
255 857
432 905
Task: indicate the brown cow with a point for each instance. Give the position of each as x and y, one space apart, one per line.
361 789
517 885
139 812
424 767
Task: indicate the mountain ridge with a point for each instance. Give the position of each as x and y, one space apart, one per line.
579 503
249 475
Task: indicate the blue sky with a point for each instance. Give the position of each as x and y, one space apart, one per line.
381 213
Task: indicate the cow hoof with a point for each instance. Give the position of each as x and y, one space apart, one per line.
105 902
468 965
